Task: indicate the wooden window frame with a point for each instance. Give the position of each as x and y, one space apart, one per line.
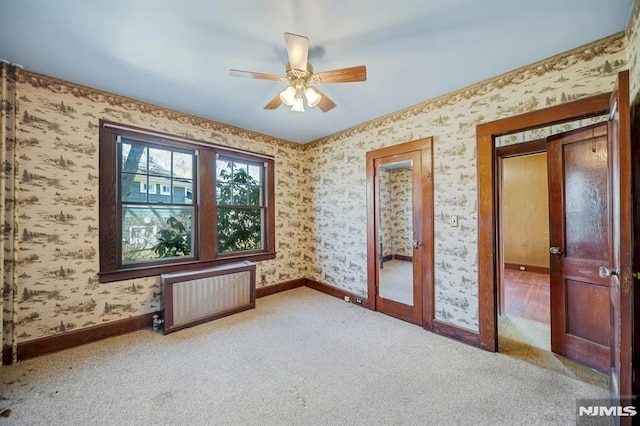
205 209
263 205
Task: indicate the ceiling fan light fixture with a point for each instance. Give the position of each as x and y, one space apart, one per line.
298 104
288 95
299 74
312 96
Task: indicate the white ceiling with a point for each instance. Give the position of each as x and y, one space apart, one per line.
177 54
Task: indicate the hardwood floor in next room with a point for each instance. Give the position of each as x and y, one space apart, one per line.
524 331
527 295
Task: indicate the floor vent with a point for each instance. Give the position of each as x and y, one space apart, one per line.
194 297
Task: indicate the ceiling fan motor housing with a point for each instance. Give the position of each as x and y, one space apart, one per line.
295 74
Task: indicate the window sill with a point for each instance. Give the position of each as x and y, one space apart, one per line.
150 271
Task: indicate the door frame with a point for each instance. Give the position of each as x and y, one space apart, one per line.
425 146
487 199
622 160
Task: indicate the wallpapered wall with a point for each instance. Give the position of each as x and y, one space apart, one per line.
50 160
53 277
633 54
385 194
396 211
338 170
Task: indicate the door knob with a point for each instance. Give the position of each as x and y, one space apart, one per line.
555 250
416 243
605 272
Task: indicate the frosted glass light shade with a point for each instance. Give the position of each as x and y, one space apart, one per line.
288 95
298 104
312 96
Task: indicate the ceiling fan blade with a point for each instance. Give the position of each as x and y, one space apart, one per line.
298 50
251 74
344 75
325 103
274 103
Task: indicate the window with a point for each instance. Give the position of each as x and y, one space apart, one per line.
241 205
145 210
165 190
172 204
147 188
143 234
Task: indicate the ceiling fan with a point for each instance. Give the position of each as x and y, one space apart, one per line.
300 77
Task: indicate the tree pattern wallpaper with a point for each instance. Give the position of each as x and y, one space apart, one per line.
49 137
50 274
339 204
396 211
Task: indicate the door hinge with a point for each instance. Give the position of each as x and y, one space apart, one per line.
636 275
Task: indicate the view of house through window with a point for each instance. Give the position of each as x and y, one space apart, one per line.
177 201
157 217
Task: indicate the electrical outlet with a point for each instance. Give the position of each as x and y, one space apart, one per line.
346 299
454 220
358 301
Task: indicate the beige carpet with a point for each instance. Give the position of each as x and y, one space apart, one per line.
299 358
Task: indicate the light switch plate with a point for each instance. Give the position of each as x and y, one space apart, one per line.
454 220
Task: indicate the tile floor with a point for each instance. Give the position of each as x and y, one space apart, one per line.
530 341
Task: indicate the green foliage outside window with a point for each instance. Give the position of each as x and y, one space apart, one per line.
239 199
174 240
152 232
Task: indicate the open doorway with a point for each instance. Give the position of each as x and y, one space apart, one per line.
524 215
617 271
524 329
524 288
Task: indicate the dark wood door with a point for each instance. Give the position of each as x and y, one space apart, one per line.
418 306
619 270
398 192
581 242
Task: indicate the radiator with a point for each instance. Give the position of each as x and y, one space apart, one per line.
194 297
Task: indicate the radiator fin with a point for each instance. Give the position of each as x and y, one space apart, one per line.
193 297
200 298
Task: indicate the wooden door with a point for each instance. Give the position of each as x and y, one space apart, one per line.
581 242
619 270
398 201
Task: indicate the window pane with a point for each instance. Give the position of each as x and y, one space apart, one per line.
134 158
223 170
182 165
151 233
224 193
240 195
182 191
134 187
159 162
256 174
162 188
240 173
239 230
255 195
